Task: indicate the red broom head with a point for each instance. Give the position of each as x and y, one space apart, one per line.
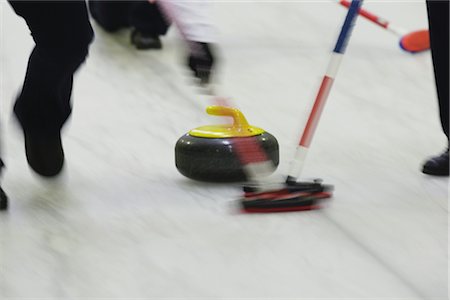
416 41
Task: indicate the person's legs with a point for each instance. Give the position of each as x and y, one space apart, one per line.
148 24
62 33
438 19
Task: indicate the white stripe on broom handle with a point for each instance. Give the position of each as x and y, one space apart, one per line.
396 30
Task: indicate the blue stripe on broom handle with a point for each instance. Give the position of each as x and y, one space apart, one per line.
346 29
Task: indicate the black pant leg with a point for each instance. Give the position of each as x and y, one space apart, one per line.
147 18
62 33
110 15
438 19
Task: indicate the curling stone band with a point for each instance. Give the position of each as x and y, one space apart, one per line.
208 153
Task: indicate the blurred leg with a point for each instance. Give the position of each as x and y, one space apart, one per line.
62 33
148 23
438 19
146 17
110 15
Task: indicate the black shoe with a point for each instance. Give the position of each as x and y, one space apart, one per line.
45 155
3 200
438 165
3 197
144 41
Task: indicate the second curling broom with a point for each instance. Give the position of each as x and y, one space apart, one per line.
413 42
293 195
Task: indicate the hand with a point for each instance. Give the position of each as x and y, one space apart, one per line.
201 60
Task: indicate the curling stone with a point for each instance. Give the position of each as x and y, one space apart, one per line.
208 153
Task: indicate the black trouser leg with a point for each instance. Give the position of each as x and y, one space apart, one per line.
142 15
110 15
438 19
147 18
62 33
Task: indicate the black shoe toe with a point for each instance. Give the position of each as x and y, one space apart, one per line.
45 155
438 165
3 200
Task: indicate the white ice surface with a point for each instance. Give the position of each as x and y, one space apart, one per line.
121 222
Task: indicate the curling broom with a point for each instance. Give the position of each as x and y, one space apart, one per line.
413 42
294 195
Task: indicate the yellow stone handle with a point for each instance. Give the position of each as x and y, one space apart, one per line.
238 118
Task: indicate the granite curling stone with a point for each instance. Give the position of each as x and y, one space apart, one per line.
208 153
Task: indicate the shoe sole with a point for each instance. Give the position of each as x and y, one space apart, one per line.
442 173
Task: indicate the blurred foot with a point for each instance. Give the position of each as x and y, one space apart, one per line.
45 155
144 41
438 165
3 197
3 200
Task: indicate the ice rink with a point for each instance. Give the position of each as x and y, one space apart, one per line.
122 223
